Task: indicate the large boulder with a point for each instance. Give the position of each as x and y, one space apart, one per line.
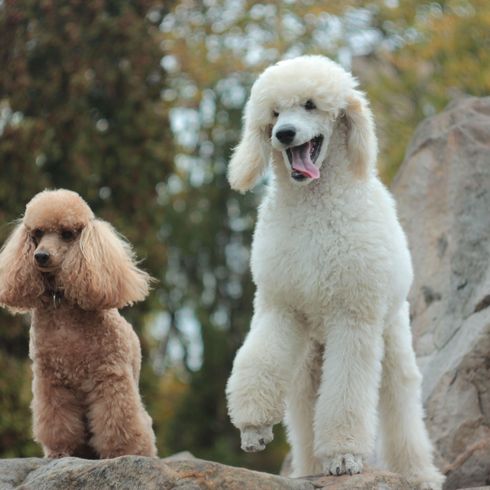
443 195
136 472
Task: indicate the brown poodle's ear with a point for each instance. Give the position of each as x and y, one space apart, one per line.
250 157
100 271
362 145
20 282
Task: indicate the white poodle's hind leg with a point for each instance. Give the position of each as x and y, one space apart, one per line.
262 372
406 445
345 415
300 411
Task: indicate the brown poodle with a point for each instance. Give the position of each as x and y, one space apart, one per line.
72 271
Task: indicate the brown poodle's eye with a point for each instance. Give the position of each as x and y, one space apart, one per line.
309 105
37 234
67 235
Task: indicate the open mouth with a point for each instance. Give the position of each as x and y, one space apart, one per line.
302 159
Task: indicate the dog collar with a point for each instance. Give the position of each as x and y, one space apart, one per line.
56 297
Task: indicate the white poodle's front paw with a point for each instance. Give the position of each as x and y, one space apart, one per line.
341 464
430 485
428 478
255 438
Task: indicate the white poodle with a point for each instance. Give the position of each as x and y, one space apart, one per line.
330 338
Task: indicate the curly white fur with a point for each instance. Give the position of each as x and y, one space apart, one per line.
330 338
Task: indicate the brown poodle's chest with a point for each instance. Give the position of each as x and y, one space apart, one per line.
63 370
71 349
66 359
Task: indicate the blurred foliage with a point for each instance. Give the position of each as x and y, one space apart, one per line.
432 52
80 108
85 104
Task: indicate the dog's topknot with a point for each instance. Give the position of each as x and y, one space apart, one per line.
53 209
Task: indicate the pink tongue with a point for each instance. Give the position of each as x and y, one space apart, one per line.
301 161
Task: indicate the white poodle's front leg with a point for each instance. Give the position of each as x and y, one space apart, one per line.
345 417
255 439
262 371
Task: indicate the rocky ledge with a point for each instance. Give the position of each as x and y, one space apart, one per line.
184 472
181 471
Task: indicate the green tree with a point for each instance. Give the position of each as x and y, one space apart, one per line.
431 53
80 108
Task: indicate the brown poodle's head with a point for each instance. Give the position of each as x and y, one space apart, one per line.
61 249
55 220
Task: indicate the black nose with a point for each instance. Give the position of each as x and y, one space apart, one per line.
41 258
286 134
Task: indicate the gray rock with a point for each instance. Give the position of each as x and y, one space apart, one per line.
369 479
136 472
15 471
443 195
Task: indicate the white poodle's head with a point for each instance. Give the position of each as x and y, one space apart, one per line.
293 108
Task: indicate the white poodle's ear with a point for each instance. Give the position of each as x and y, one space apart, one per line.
362 145
250 157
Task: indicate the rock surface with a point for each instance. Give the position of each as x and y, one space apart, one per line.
443 196
136 472
369 479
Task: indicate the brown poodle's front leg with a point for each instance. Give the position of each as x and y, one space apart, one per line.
118 421
57 418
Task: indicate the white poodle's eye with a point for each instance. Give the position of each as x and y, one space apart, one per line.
275 113
309 105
